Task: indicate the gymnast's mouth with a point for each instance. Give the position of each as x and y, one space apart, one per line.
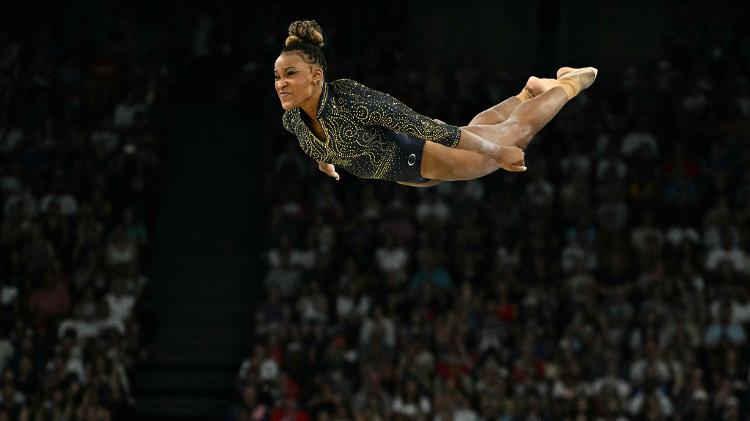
284 94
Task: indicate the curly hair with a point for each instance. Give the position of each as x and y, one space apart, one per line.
306 36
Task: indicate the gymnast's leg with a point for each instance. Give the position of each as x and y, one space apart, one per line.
535 113
443 163
440 162
495 115
500 112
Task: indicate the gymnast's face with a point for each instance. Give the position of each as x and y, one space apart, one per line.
297 81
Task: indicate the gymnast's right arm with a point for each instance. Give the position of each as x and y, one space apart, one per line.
291 125
328 169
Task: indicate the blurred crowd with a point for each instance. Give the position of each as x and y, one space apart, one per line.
610 281
79 160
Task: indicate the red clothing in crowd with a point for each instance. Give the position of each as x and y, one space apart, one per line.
506 312
51 301
280 414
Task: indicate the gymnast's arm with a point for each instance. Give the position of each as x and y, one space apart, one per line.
328 169
378 108
291 124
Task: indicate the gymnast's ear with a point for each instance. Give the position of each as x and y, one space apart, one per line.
317 74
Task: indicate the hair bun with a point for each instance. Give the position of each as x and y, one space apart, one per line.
307 31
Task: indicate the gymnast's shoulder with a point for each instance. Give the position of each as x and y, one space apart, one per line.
351 89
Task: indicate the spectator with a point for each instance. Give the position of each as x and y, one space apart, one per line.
120 302
409 402
53 299
284 278
430 272
289 411
378 329
391 257
249 407
125 112
727 254
722 331
640 141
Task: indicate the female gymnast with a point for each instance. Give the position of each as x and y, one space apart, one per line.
374 136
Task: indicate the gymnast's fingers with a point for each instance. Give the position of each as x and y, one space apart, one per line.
515 168
518 166
331 171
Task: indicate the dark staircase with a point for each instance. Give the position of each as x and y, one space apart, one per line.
204 269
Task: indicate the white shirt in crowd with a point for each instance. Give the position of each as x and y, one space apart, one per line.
312 308
348 306
120 306
75 364
573 254
391 259
124 116
735 256
740 312
68 203
459 414
639 140
299 258
121 253
269 369
677 235
638 370
8 294
540 192
18 397
465 414
611 166
411 408
638 402
89 328
620 386
437 209
371 324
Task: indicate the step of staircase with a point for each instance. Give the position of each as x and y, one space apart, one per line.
205 252
194 380
183 409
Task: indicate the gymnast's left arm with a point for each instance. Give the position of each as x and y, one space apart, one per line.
375 107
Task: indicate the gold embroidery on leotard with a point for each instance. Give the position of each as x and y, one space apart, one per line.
355 120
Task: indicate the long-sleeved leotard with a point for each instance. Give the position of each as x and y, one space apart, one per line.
369 133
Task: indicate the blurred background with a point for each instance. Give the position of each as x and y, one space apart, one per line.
167 251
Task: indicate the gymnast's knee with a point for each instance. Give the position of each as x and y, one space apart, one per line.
485 117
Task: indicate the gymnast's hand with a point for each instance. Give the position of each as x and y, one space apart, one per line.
329 169
511 159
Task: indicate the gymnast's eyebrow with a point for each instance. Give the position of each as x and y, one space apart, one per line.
285 69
